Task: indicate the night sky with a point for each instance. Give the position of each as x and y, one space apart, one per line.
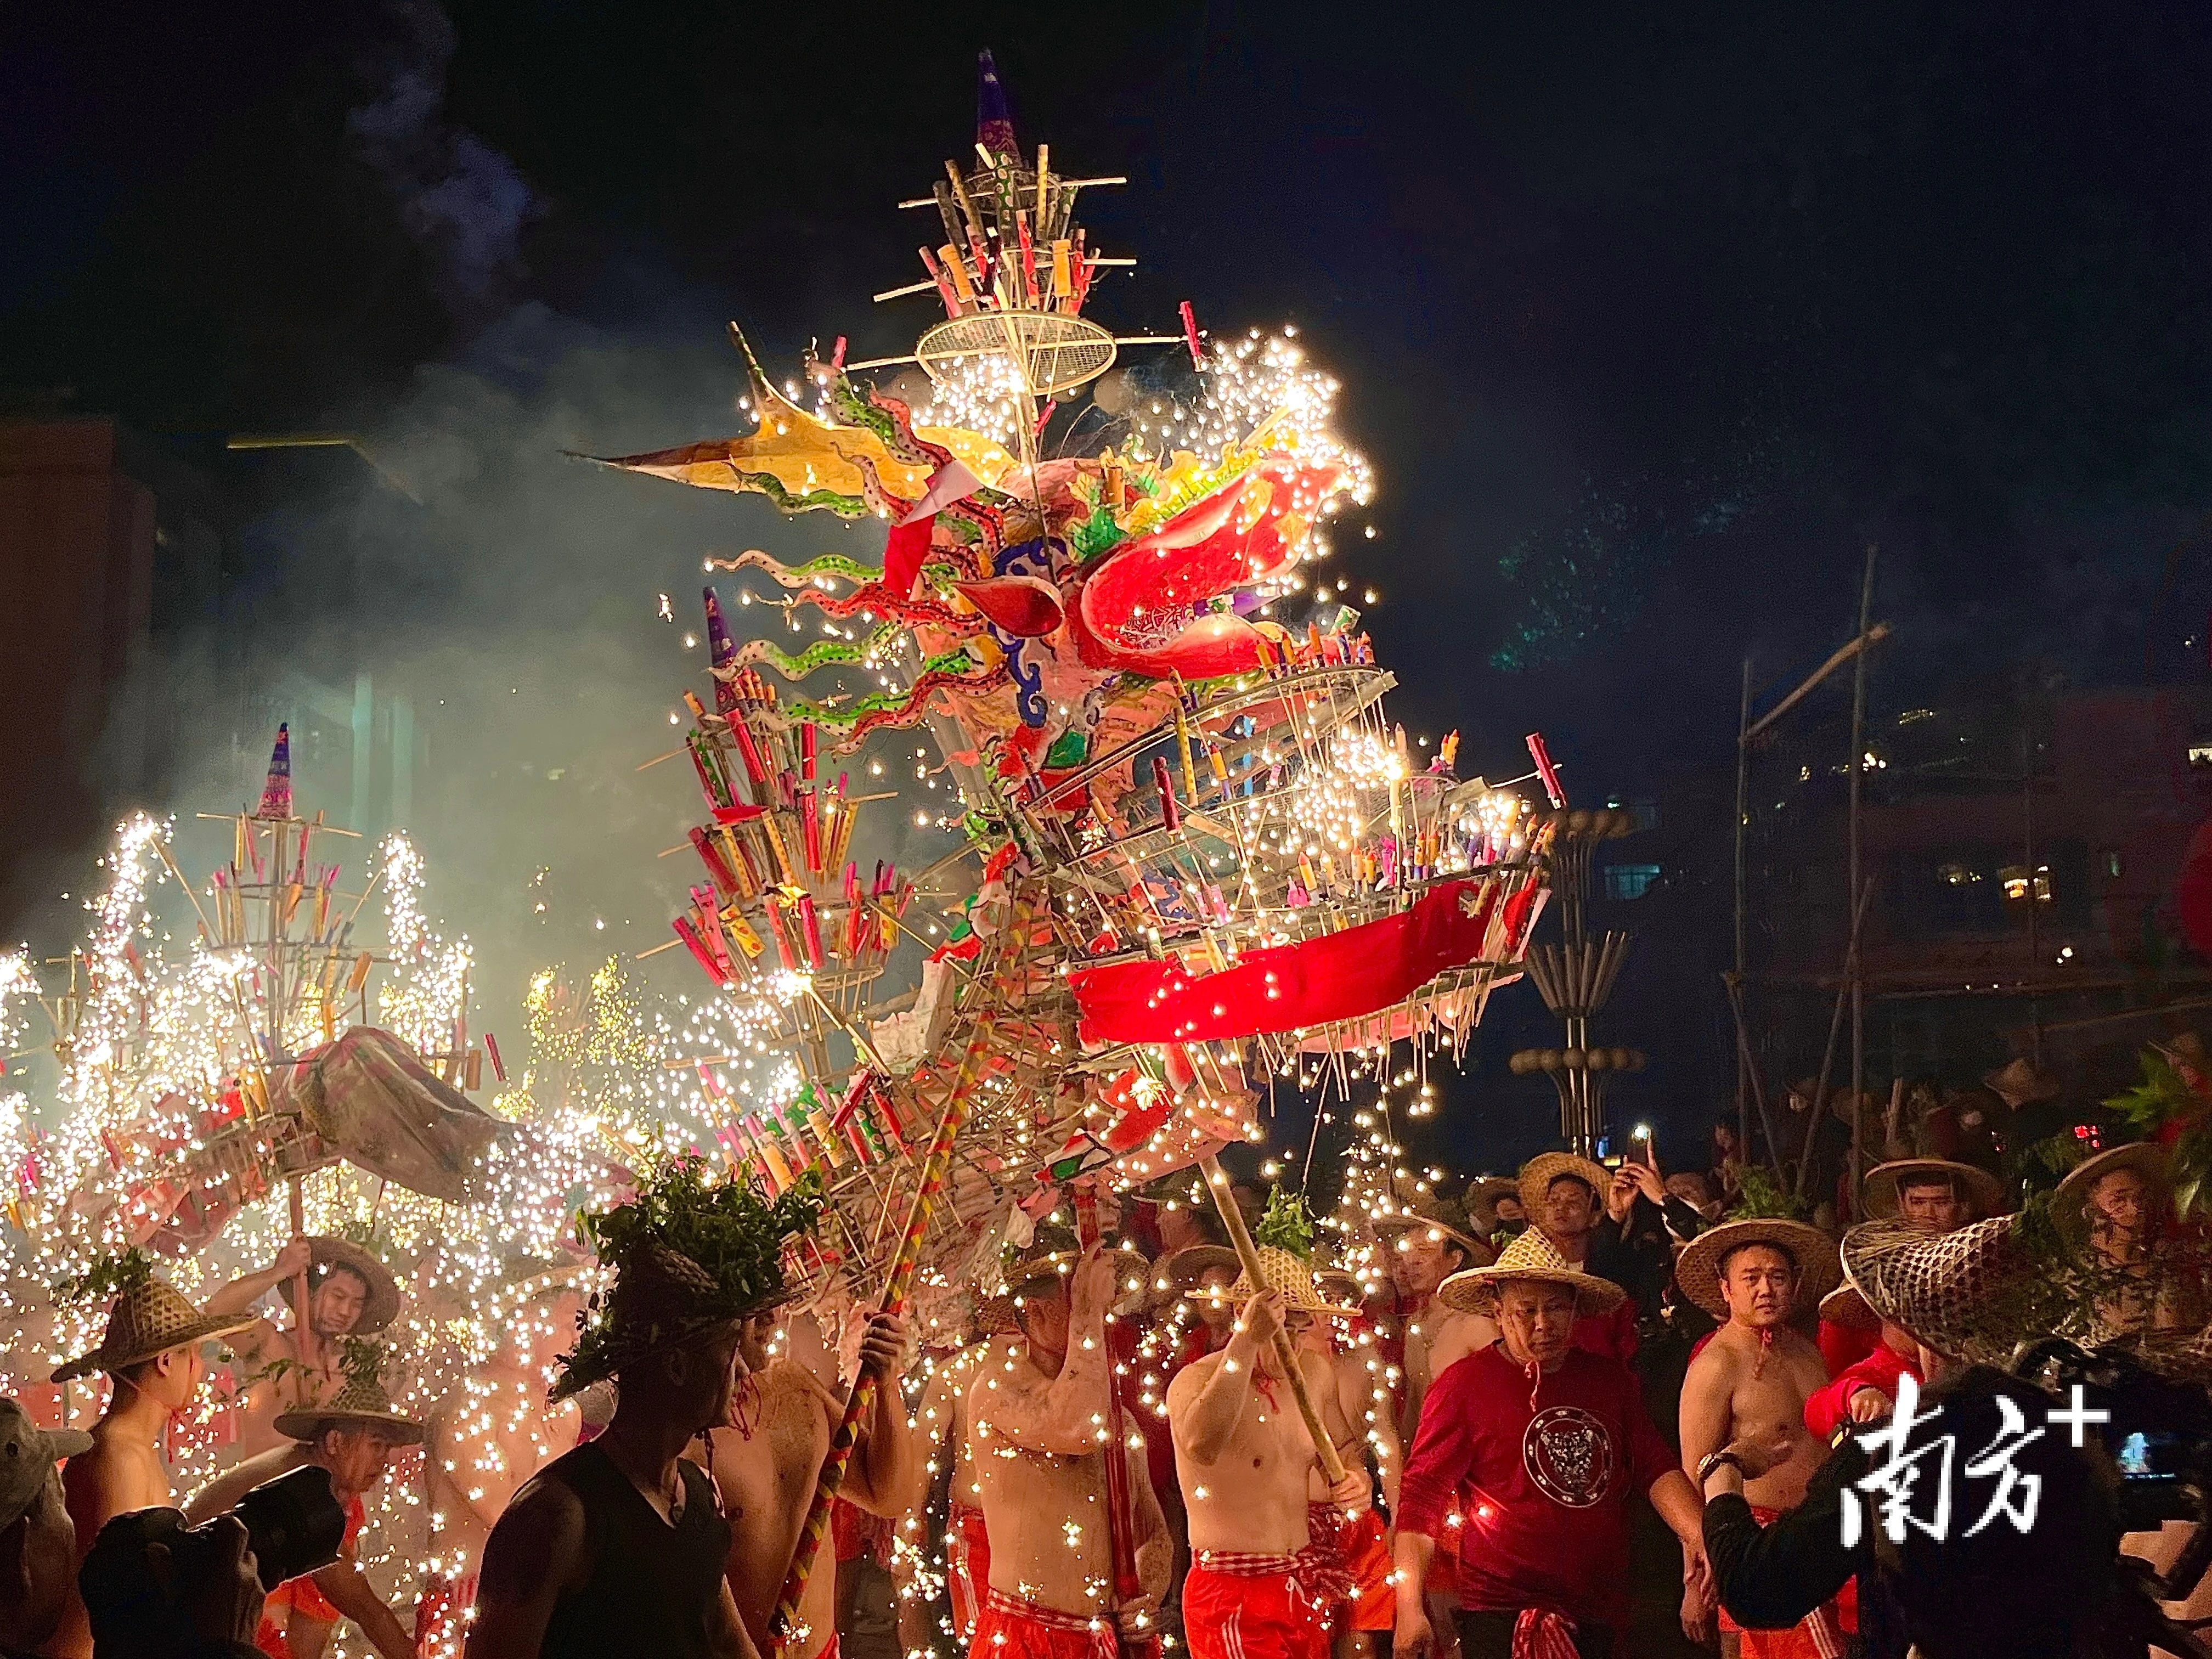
1651 318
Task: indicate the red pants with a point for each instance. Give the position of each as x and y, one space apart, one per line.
1257 1606
967 1566
1818 1635
1012 1629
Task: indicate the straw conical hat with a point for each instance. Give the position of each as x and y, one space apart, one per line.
382 1305
360 1403
1291 1278
1984 1192
1538 1174
1844 1306
2146 1158
1529 1256
1698 1270
149 1318
1439 1219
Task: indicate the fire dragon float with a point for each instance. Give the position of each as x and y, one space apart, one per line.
1197 856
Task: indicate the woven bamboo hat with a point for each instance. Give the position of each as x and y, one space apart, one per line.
1698 1270
1538 1174
2146 1158
1425 1214
661 1300
1962 1293
1293 1279
1984 1192
2186 1049
1530 1257
360 1403
382 1305
1844 1306
1339 1287
150 1318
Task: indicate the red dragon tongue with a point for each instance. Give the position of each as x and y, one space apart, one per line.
1028 607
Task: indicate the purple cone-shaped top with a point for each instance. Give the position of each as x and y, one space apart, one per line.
277 793
722 651
995 126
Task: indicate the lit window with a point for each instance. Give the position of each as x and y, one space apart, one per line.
1630 881
2014 877
2200 754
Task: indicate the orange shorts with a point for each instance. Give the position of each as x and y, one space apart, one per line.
1354 1547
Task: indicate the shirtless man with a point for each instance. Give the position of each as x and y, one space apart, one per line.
351 1435
349 1294
493 1432
1751 1381
1358 1415
766 1470
1257 1588
941 1421
1036 1445
152 1353
1423 1249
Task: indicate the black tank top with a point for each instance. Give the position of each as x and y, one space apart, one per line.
653 1587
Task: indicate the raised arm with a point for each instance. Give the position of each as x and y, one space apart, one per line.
534 1555
1065 1417
1204 1406
242 1293
884 1471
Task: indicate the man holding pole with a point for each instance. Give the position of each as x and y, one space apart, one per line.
766 1468
348 1293
1037 1445
1258 1587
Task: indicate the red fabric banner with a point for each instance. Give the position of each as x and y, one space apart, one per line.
1339 976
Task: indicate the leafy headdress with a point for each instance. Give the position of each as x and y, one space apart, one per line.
687 1255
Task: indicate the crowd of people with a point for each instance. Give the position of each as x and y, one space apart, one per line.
1436 1424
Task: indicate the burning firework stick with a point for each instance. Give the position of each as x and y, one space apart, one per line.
784 1625
809 927
785 953
1028 256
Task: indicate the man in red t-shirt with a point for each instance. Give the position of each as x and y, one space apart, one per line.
1550 1441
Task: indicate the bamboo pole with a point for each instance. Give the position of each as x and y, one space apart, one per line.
859 1401
1216 1182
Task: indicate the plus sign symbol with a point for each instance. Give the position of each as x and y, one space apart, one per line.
2077 1416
